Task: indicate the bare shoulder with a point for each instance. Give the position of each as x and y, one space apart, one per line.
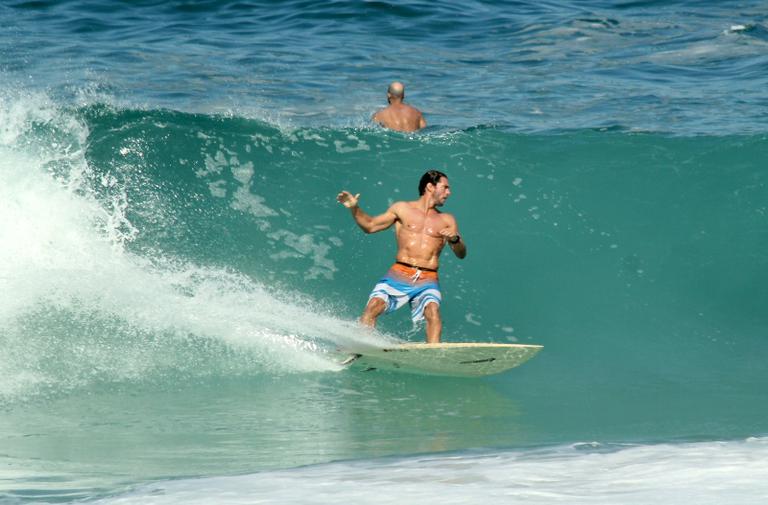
448 218
398 208
382 114
406 209
410 205
416 117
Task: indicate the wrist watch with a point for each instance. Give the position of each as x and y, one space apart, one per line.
455 239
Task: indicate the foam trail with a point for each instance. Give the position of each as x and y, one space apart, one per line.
79 306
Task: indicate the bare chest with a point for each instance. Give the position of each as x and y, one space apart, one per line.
417 223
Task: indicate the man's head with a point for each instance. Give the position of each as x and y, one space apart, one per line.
395 92
436 183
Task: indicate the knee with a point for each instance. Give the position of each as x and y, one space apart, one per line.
432 312
372 311
375 306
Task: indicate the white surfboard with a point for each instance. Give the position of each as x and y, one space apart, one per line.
452 359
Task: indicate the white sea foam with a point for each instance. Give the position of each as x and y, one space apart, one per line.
708 473
66 272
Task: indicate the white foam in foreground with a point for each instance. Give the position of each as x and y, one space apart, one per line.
711 473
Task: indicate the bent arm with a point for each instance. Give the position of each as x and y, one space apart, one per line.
453 239
367 223
459 248
373 224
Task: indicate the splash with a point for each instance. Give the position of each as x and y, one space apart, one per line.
79 304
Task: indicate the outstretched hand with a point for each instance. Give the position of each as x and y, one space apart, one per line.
347 200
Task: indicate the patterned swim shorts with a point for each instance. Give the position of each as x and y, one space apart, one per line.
408 284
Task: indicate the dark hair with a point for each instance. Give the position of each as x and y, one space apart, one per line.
432 176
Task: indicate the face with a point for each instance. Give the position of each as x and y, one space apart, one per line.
442 192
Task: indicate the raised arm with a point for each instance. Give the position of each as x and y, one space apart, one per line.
369 224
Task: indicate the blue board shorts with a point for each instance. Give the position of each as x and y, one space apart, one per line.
408 284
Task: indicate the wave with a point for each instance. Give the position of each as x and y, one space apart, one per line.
87 299
138 242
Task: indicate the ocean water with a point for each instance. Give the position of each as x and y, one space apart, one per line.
176 276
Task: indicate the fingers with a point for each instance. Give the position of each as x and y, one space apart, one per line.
449 233
346 198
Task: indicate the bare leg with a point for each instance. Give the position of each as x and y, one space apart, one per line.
434 323
375 307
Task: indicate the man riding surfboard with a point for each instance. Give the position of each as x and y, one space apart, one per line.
421 231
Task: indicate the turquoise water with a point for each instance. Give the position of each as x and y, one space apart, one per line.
176 275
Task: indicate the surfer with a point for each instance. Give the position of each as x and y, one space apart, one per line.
421 231
397 115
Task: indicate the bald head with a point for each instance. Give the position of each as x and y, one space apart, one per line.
396 90
398 115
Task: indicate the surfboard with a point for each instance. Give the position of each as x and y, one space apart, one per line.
451 359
